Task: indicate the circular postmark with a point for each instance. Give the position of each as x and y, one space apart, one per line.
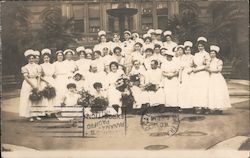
160 124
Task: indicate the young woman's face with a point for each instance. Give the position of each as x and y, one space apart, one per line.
147 41
117 52
168 38
59 57
37 58
188 50
149 53
180 51
96 56
201 47
81 55
157 50
31 59
212 54
46 59
158 37
88 56
153 36
103 39
113 68
153 65
105 52
137 47
72 89
116 38
137 64
169 58
69 56
126 36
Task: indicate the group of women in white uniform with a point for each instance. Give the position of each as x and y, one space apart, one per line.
180 78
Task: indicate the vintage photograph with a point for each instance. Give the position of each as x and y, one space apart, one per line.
121 75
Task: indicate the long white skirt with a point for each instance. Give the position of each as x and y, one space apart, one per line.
140 96
49 103
184 94
218 92
199 81
171 92
26 107
114 98
156 98
61 87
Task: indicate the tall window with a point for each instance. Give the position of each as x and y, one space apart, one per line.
146 16
79 16
94 17
162 15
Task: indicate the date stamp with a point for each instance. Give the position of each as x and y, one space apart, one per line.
160 124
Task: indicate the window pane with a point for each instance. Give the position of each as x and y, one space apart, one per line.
146 18
78 11
162 22
79 25
94 17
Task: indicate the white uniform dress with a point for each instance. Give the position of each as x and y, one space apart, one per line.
218 91
140 96
102 45
32 71
128 47
60 80
147 62
200 80
155 77
92 78
184 97
48 70
114 96
138 56
170 85
83 65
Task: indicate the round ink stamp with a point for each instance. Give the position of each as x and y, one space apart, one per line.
160 124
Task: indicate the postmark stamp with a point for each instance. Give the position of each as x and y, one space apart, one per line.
160 124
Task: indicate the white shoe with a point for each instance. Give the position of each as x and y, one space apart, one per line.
38 118
31 120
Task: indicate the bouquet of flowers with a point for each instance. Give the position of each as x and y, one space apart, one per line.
150 87
122 83
49 92
86 98
135 78
35 95
99 104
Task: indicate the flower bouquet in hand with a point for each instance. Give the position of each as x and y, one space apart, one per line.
99 104
35 95
122 83
86 98
150 87
49 92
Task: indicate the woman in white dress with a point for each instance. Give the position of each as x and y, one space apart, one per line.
119 58
184 78
69 64
141 97
83 63
200 78
218 91
170 70
149 56
138 54
147 41
169 44
114 95
98 60
48 72
60 77
116 42
127 48
185 63
31 73
103 41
